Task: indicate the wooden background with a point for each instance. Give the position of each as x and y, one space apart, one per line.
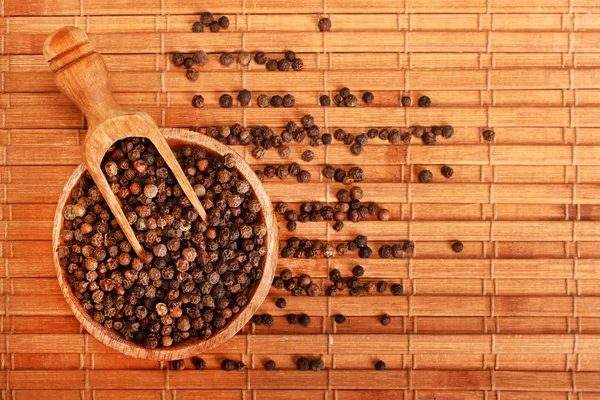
515 316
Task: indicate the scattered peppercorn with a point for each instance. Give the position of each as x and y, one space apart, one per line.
428 139
385 319
206 18
244 97
226 101
260 58
368 97
298 64
198 101
457 246
227 365
397 289
197 27
244 58
324 24
425 176
178 365
283 65
270 365
379 365
384 214
325 100
214 26
263 100
308 156
488 135
268 320
424 101
405 101
276 101
317 364
280 302
272 65
303 364
192 74
304 320
447 171
200 364
292 319
289 100
358 270
447 131
224 22
340 318
226 59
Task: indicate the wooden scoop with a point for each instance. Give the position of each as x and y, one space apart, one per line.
80 73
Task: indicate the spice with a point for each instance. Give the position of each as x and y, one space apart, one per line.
178 365
260 57
226 59
385 251
268 320
227 365
425 176
214 26
200 364
457 246
351 101
340 318
240 366
345 92
197 27
192 74
385 319
280 302
263 100
290 55
283 65
397 289
358 270
424 101
405 101
272 65
200 57
408 246
324 24
244 58
381 286
206 18
384 214
447 171
297 64
270 365
379 365
198 101
178 59
368 97
428 138
224 22
226 101
308 156
244 97
276 101
292 319
447 132
289 100
488 135
317 364
303 364
304 320
338 100
325 100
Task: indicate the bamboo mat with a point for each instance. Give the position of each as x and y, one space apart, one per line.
515 316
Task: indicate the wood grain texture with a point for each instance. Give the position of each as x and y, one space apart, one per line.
515 316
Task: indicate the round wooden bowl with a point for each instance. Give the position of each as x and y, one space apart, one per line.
191 346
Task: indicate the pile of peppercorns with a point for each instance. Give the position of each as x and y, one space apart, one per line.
194 275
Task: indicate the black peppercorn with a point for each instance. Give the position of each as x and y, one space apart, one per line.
425 176
308 156
198 101
224 22
325 100
272 65
338 100
303 364
226 59
214 26
200 57
277 283
177 365
317 364
447 171
334 274
324 24
338 226
178 59
263 100
268 320
397 251
350 101
304 320
447 131
361 241
385 319
280 302
276 101
358 270
227 365
326 138
290 55
244 58
405 101
200 364
381 286
356 149
424 101
258 320
188 63
226 101
383 134
244 97
368 97
340 318
436 130
397 289
292 319
298 64
385 251
345 92
283 65
408 246
488 135
260 57
379 365
270 365
206 18
192 74
240 366
289 100
372 133
303 176
197 27
428 139
365 252
457 246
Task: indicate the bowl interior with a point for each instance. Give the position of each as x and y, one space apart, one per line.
191 346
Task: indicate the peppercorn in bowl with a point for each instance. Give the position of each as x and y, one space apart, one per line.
198 282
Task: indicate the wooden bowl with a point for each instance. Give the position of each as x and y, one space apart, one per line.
191 346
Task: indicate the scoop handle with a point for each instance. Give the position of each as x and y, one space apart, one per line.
80 74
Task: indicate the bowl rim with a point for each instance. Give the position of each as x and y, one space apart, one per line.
192 346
